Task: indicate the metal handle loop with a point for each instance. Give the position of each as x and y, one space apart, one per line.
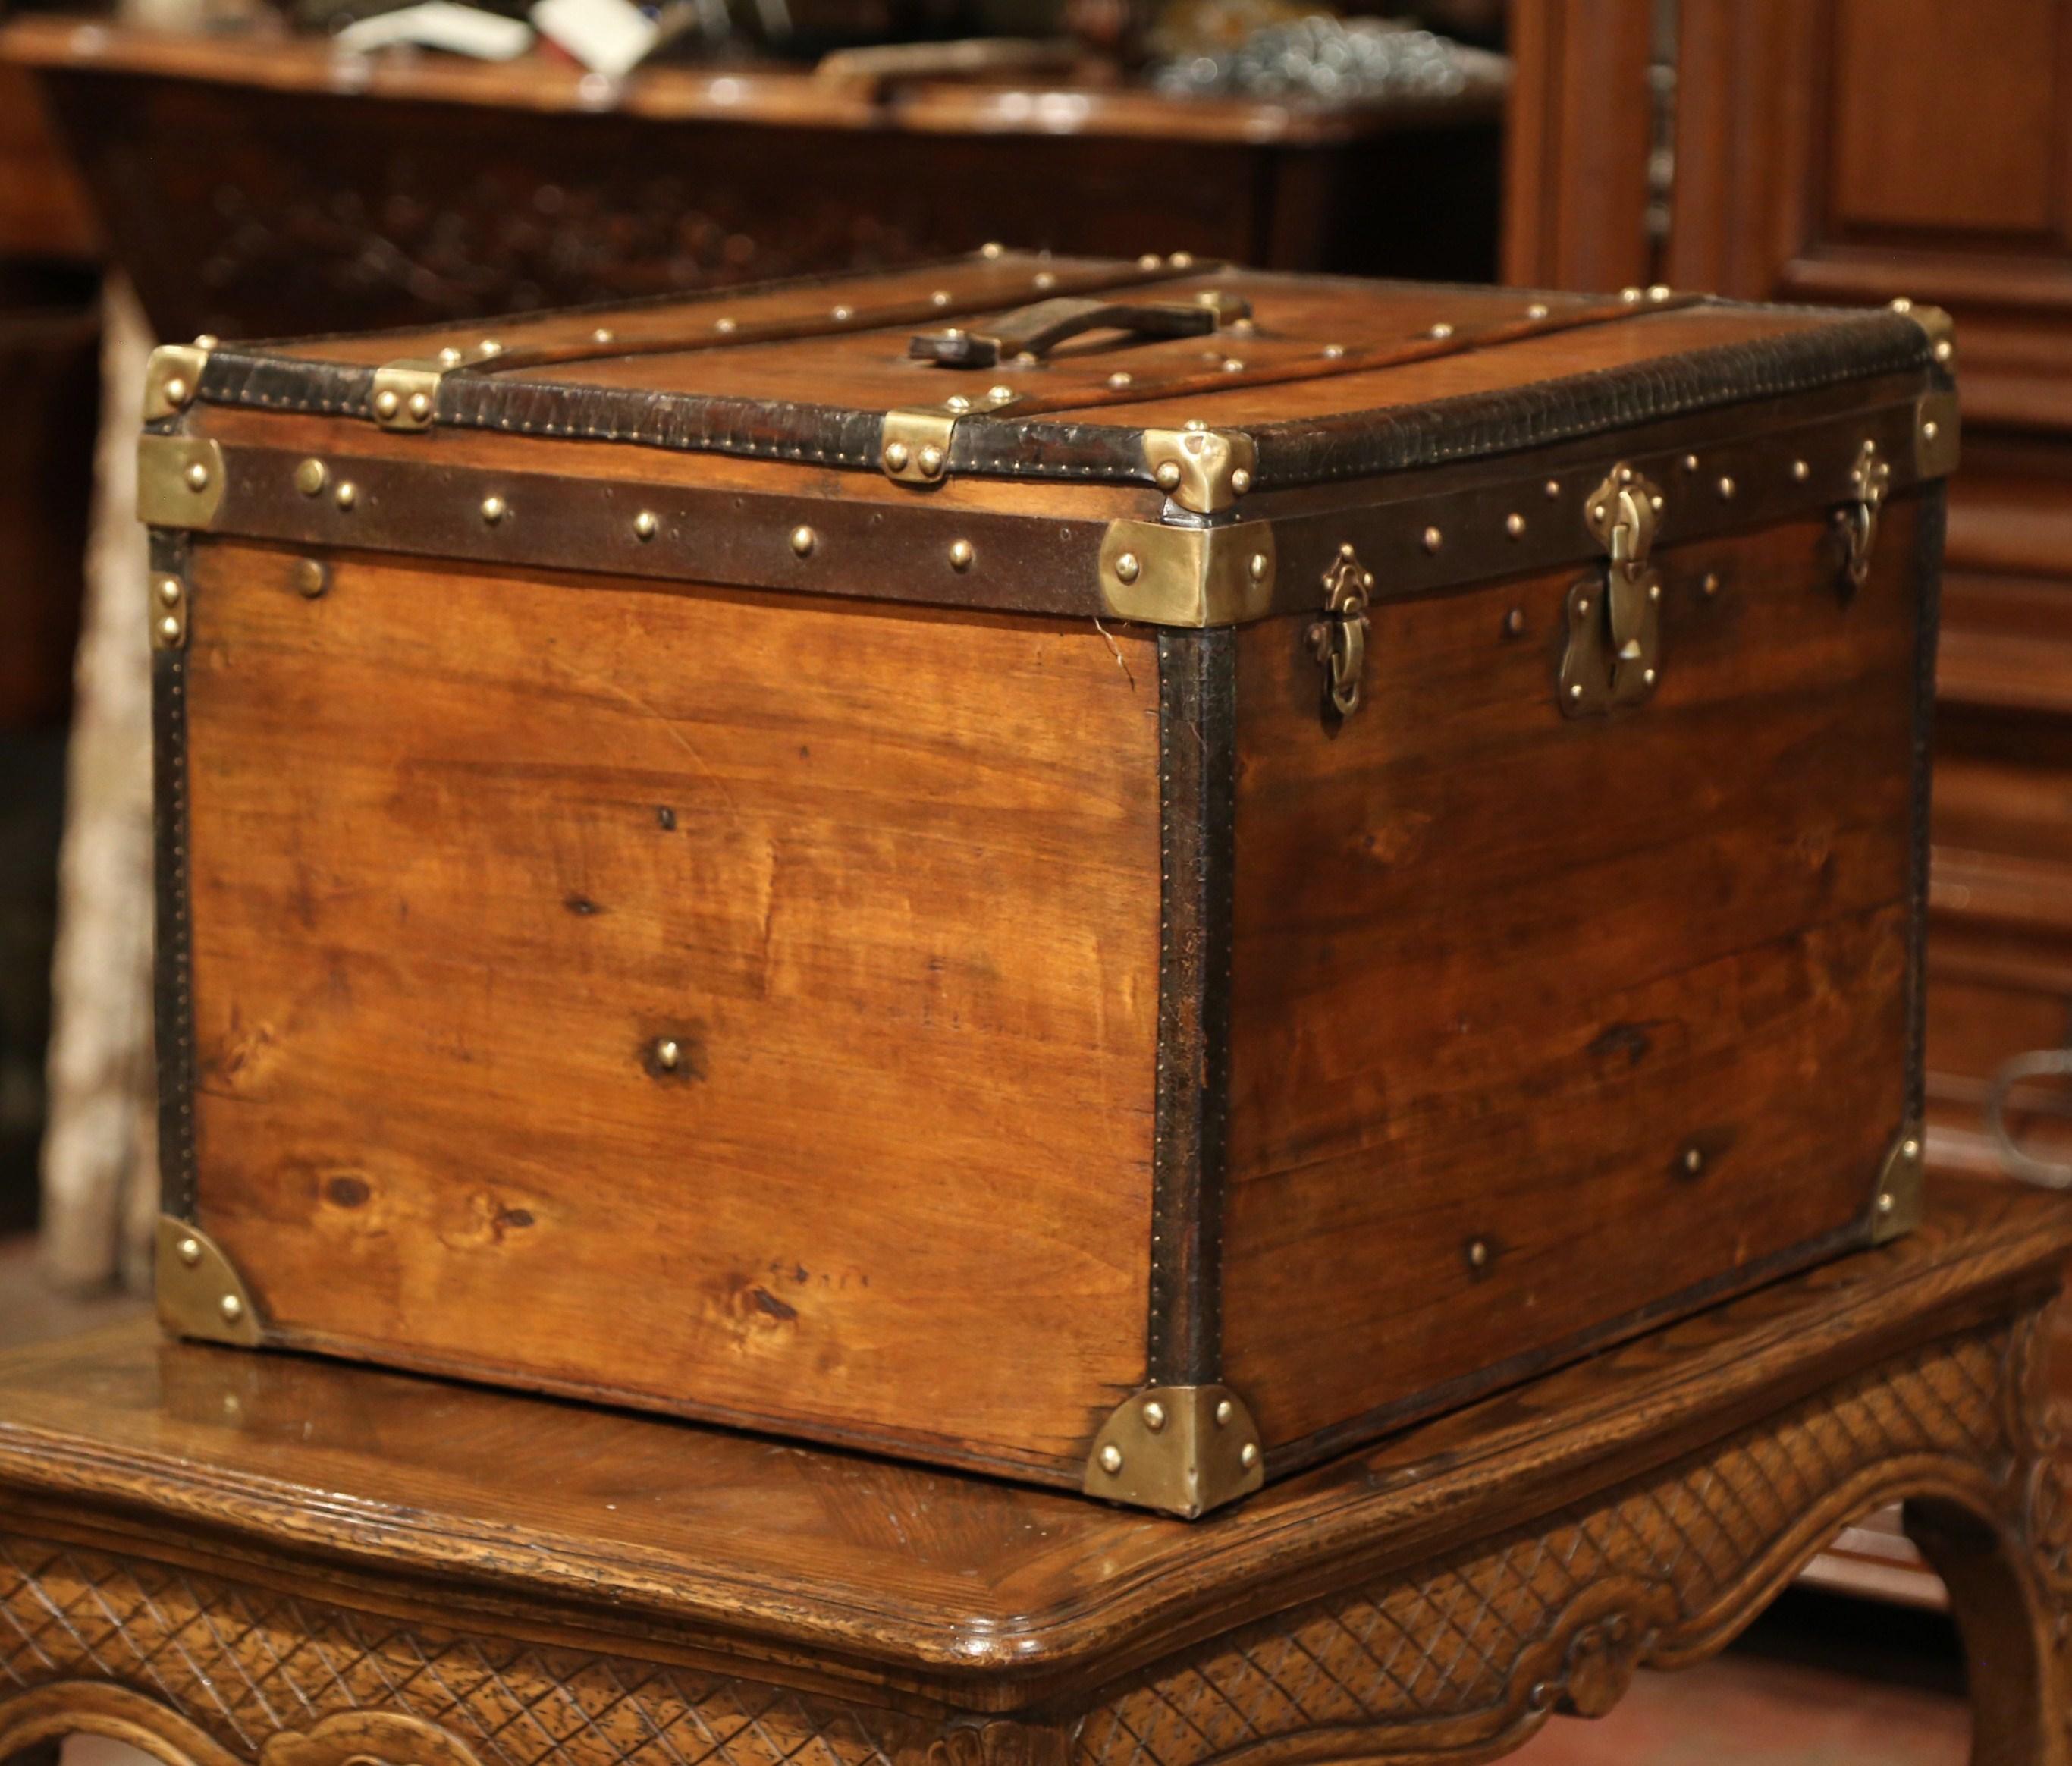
2039 1064
1028 333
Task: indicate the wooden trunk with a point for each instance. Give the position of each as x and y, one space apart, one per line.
1167 881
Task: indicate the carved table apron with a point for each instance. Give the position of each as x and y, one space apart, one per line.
225 1557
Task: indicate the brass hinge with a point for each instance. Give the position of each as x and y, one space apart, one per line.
1204 471
172 377
169 611
1897 1207
1183 1449
405 392
1187 576
914 443
1614 625
1338 640
1857 520
200 1293
179 482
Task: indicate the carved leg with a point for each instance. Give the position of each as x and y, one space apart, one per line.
2011 1630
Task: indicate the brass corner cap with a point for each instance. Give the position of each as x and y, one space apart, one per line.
1182 1449
1936 431
1188 576
172 377
1204 471
1896 1207
179 482
200 1293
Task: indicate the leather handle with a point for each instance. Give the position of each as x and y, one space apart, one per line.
1028 333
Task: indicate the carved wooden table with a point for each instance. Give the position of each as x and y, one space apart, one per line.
226 1557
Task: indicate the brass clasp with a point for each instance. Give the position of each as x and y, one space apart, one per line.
1338 640
1614 625
1857 520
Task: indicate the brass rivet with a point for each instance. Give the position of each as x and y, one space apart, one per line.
1433 539
1126 566
1118 380
840 314
602 335
169 590
1167 475
232 1308
669 1053
1551 488
1513 526
1478 1253
1647 677
1910 1150
1442 331
189 1252
803 540
311 477
489 347
1154 1415
1181 260
206 340
385 402
1248 1455
956 402
1945 350
1148 261
1597 512
1655 502
1929 429
940 298
1575 691
1537 310
1690 463
1583 604
1333 351
311 578
1044 279
1625 475
421 405
493 509
1694 1160
991 249
1711 585
1655 592
347 494
1111 1458
1000 395
1726 490
645 525
176 391
896 455
1658 292
1514 623
1801 472
723 326
450 357
1196 424
1885 1203
1630 296
1902 305
197 476
1240 480
1233 365
961 555
1257 569
169 628
1224 1412
930 461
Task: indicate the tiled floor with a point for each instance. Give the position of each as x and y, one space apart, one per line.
1820 1681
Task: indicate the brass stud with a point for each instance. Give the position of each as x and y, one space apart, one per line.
1257 568
1902 305
197 476
1658 292
1885 1203
1726 488
1433 539
189 1252
176 391
991 249
1655 592
232 1308
1514 524
956 402
1478 1253
1127 567
1690 463
493 509
1624 475
1181 260
1000 395
1801 472
1248 1455
1514 623
489 347
1576 690
939 298
1582 603
1167 475
602 335
841 314
1909 1149
1597 512
1195 423
1233 365
1154 1415
1118 380
1333 351
961 555
929 460
420 406
1148 259
1551 488
1111 1458
803 540
724 327
1710 587
896 455
311 578
206 340
1648 678
1929 429
669 1053
1537 310
1225 1411
311 475
1694 1160
450 357
1945 350
1630 296
169 590
1044 279
169 628
385 403
1240 480
346 495
645 525
1441 331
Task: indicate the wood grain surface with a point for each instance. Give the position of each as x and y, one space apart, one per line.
1498 975
467 847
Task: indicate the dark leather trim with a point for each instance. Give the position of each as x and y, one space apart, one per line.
1197 851
1930 525
173 990
1352 445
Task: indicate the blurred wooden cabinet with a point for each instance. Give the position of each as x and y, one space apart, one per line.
1856 150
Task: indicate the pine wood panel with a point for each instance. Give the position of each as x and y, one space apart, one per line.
465 845
1496 972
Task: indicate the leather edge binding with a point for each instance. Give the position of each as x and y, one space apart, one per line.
173 994
1197 796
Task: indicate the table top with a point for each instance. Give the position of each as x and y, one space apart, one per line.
690 1532
767 94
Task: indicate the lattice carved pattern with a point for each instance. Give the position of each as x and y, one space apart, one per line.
1469 1653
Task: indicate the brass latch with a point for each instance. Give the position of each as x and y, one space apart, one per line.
1614 625
1338 640
1857 520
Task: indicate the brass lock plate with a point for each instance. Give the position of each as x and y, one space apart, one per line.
1614 656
